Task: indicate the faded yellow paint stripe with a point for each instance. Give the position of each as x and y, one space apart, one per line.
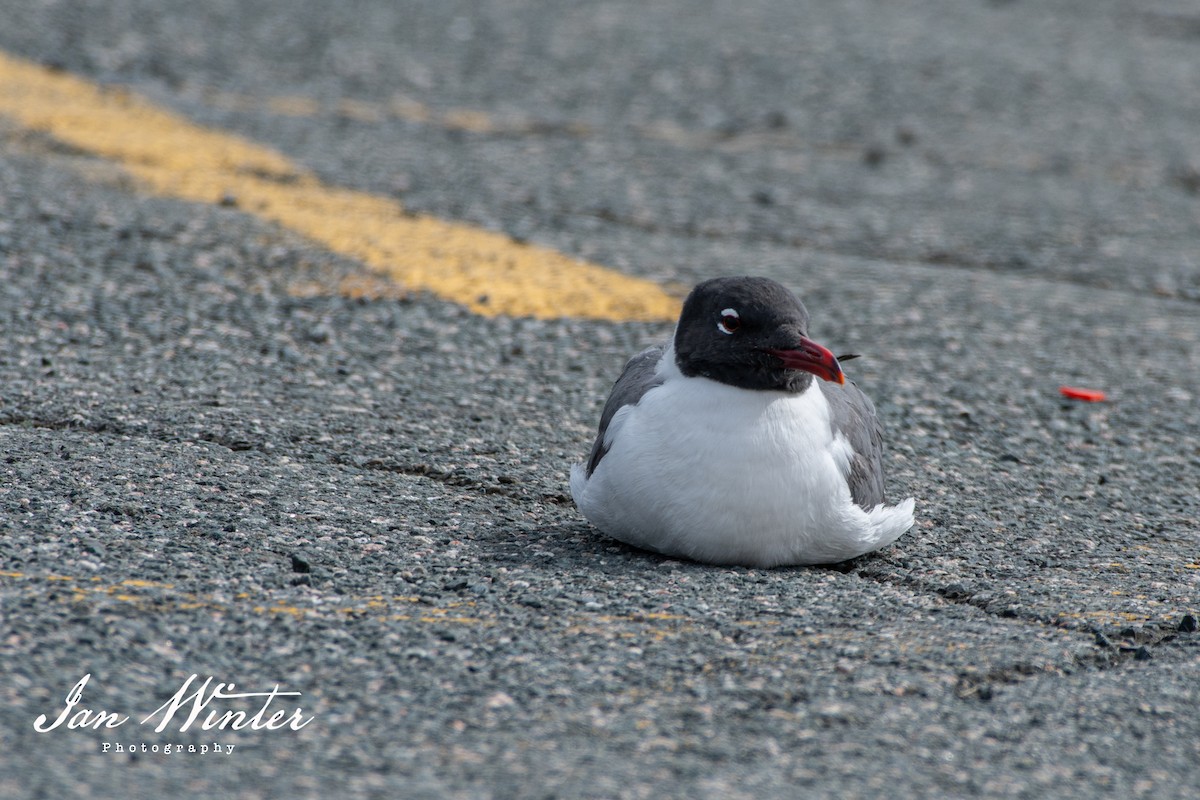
485 271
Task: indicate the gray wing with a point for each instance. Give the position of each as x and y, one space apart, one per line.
853 415
636 379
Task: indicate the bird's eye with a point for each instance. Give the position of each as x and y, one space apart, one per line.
730 321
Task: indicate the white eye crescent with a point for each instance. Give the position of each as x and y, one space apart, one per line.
730 321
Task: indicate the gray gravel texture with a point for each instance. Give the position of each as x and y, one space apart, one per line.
213 463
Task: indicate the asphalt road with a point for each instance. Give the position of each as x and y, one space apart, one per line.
216 460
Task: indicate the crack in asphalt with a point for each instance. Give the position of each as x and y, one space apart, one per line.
459 478
941 259
1134 643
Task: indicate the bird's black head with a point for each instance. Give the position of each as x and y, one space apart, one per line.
751 333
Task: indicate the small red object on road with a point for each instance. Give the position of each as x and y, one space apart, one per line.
1074 393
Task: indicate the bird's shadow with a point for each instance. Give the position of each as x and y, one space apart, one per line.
579 544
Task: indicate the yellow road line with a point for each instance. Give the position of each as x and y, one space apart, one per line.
398 107
169 156
159 597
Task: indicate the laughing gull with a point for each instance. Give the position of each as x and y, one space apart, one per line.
721 446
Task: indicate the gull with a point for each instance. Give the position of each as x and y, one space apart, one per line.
739 441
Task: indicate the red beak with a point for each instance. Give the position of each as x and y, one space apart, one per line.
811 357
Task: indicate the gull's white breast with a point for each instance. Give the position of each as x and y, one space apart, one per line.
715 473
